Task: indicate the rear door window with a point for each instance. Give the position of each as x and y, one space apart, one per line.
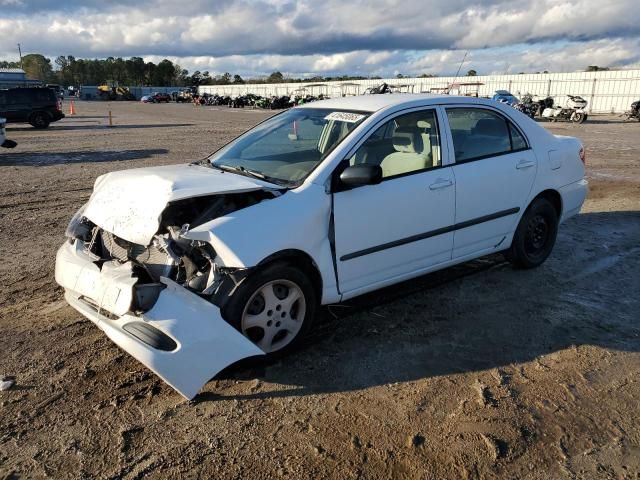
480 133
17 97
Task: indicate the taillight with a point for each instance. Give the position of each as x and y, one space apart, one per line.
583 156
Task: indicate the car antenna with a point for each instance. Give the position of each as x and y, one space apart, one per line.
458 72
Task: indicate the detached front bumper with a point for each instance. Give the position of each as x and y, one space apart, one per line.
182 338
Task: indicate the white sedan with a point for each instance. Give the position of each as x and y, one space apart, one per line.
190 268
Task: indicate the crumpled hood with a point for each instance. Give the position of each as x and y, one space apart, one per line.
129 203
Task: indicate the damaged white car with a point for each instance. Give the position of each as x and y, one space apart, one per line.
190 268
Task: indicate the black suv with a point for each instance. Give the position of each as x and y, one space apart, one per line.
35 105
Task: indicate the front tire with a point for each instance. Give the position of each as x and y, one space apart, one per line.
535 235
273 307
39 120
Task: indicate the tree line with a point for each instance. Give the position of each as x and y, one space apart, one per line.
134 71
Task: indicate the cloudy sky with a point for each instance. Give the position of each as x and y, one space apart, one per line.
328 37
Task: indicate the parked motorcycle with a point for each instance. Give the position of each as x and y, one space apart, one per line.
634 112
574 110
536 105
380 89
527 106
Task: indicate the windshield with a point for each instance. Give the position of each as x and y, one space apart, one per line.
287 147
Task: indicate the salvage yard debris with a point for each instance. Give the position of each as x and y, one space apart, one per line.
7 382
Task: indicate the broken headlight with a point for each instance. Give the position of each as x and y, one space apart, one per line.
79 227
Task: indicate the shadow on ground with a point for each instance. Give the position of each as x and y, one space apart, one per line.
46 158
95 126
476 316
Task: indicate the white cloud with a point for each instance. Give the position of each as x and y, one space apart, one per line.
369 37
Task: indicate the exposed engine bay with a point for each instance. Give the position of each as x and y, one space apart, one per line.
190 263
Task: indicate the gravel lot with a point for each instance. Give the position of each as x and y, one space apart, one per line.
480 371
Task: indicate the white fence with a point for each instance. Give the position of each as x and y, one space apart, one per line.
606 92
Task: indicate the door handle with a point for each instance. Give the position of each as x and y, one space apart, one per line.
525 164
440 183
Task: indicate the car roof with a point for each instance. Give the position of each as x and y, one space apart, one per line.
376 102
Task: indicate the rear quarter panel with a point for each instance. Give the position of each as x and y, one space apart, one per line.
560 169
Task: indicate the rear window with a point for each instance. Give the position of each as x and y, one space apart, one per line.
45 95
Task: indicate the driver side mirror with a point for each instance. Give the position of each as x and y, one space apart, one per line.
362 174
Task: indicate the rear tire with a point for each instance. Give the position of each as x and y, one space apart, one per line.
39 120
272 321
535 235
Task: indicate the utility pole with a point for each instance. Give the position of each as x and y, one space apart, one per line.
457 73
20 53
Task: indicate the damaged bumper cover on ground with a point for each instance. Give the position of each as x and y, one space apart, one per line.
182 337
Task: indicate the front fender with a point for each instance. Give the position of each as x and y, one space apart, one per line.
297 220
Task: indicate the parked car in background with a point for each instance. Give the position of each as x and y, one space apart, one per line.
3 136
161 97
35 105
190 268
146 99
56 88
504 96
182 96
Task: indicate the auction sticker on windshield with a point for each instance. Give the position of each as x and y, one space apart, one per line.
345 117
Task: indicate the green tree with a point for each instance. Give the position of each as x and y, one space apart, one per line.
38 67
135 70
471 73
164 73
7 64
275 77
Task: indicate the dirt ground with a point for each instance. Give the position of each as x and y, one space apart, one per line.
480 371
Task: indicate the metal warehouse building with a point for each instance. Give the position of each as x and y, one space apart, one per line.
15 77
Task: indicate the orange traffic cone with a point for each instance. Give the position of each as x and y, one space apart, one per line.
72 108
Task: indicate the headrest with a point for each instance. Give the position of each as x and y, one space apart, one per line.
407 140
491 127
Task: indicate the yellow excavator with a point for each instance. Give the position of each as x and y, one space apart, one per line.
113 91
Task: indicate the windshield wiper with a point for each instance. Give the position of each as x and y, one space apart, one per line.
241 170
252 173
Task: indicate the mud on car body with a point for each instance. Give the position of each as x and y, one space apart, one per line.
190 268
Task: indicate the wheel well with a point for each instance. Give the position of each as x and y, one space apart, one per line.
301 260
554 198
36 112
